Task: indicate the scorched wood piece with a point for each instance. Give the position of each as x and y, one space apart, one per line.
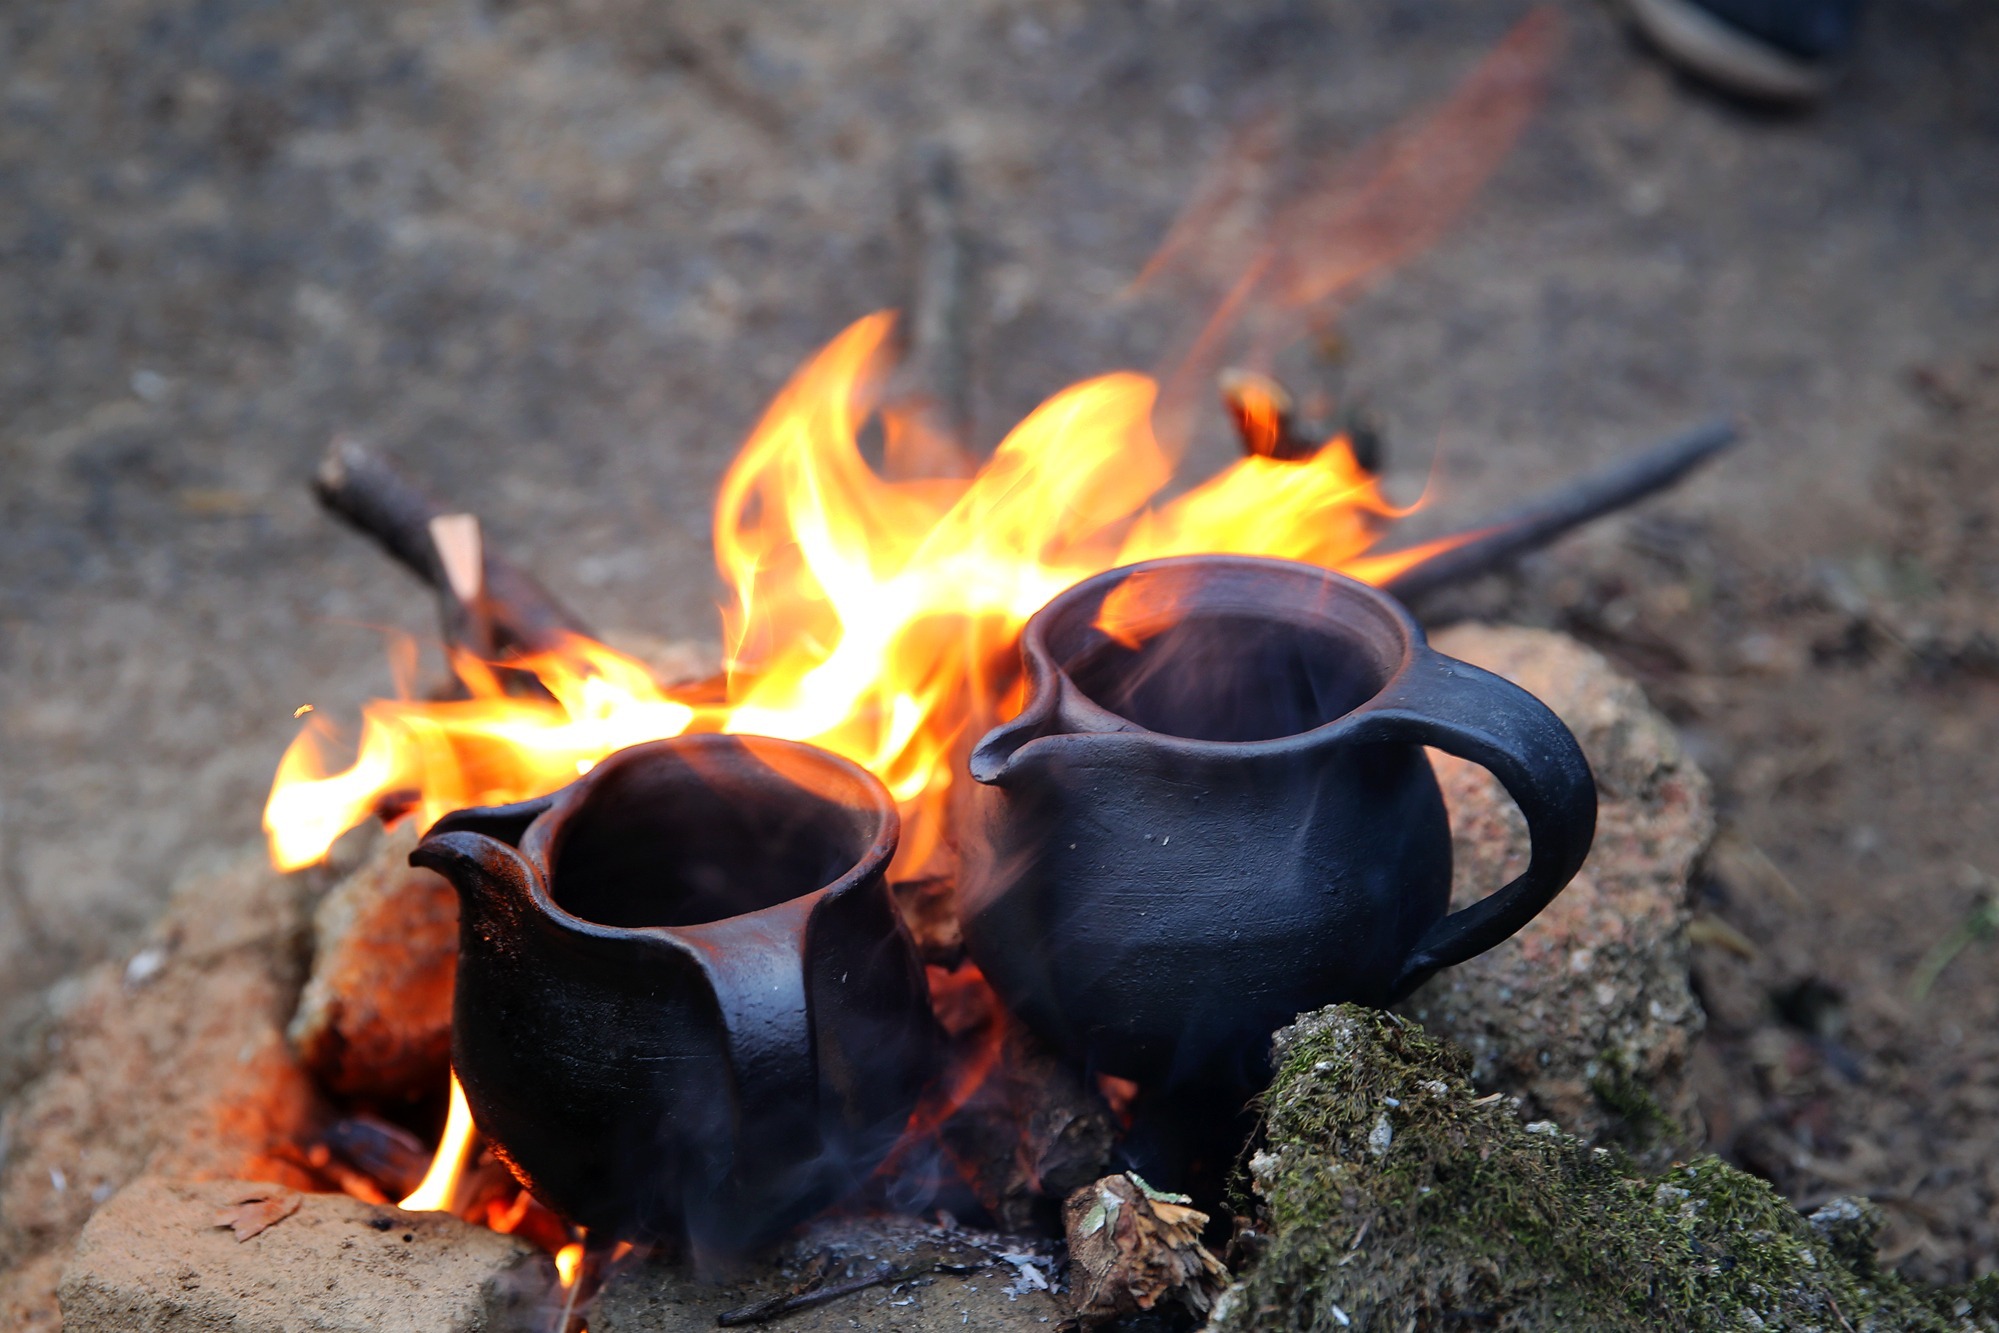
509 613
1512 533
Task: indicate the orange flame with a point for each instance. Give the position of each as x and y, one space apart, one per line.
875 615
439 1189
871 617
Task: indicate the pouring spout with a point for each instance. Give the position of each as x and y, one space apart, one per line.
992 758
492 878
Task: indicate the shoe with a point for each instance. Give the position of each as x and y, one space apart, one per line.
1771 50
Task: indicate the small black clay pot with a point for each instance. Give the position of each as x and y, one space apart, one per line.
686 1004
1215 812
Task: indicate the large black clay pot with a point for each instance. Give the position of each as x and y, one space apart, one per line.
1215 811
686 1004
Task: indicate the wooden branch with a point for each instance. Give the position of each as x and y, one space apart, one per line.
509 613
1506 536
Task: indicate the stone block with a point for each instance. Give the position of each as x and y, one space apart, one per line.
1587 1013
155 1259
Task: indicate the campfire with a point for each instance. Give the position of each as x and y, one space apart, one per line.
879 576
875 615
881 581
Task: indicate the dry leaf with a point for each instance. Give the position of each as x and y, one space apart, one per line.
1133 1248
253 1214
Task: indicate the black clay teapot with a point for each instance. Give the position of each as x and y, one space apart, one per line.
1214 811
686 1004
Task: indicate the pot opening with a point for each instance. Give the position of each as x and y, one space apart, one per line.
680 840
1217 676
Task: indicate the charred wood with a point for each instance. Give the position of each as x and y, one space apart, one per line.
502 613
1510 534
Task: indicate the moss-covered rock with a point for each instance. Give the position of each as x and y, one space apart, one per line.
1400 1200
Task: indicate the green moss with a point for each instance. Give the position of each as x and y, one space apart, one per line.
1640 1119
1399 1200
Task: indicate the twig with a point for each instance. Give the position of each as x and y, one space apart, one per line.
1513 533
1265 418
939 354
510 613
762 1312
1981 924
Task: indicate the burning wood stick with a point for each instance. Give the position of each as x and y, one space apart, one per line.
1266 422
1512 533
1262 411
489 606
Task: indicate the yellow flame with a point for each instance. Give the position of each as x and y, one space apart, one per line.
569 1263
872 616
440 1184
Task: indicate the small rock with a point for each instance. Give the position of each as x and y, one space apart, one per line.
1587 1013
375 1018
154 1259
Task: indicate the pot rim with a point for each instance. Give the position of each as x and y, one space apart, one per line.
1053 690
873 860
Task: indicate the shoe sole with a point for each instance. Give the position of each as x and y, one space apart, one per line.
1726 55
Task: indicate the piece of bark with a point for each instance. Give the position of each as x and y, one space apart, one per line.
374 1020
1135 1250
1588 1012
172 1060
153 1259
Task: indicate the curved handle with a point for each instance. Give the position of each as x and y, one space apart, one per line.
1489 720
756 967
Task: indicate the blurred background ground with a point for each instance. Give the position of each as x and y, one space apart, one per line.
556 256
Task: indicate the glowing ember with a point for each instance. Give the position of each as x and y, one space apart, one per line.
872 616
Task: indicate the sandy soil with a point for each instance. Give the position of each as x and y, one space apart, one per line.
557 255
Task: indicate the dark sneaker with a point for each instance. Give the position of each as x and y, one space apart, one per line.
1776 50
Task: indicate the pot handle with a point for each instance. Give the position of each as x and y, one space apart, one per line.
1476 715
755 966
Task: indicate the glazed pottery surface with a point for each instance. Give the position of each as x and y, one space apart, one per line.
1214 812
686 1004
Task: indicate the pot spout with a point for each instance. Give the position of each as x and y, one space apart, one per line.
492 878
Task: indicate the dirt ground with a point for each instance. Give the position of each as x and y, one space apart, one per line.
556 255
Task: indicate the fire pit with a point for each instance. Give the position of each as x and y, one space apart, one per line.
688 955
876 619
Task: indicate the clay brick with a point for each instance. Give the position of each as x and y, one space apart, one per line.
153 1260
